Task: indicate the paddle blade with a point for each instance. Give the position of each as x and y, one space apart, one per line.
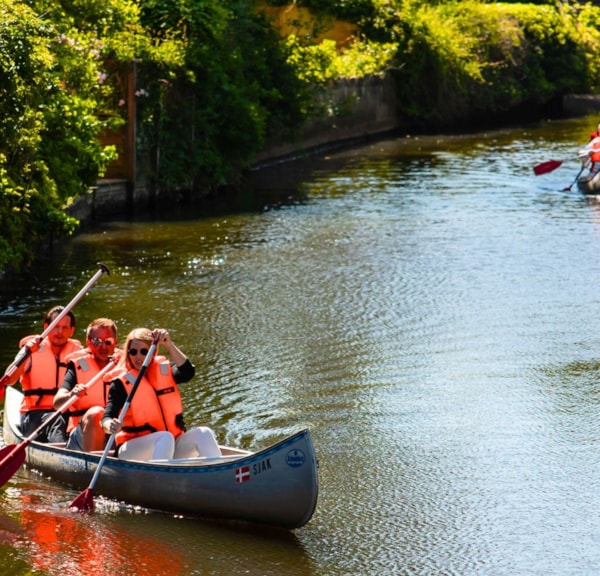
11 458
85 501
546 167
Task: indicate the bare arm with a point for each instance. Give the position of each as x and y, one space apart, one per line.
67 388
164 338
23 358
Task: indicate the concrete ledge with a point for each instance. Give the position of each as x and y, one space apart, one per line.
350 110
580 104
109 198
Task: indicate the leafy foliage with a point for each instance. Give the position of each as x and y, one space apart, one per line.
457 59
53 95
491 57
320 63
216 81
353 10
236 83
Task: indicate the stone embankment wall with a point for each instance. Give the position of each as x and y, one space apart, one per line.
108 198
352 111
580 104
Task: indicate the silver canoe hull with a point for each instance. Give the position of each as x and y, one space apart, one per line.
277 485
589 184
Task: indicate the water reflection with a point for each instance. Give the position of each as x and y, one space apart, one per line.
57 541
43 534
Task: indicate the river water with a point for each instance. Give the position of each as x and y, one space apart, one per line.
426 306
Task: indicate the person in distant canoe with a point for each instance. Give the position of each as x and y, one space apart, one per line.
590 155
153 427
42 372
83 416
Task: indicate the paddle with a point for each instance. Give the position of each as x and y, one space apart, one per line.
85 500
25 351
568 188
547 166
13 455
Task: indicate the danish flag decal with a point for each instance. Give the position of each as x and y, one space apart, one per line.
242 474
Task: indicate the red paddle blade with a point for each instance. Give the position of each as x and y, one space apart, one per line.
85 501
546 167
11 458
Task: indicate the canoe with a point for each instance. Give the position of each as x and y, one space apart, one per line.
276 486
589 183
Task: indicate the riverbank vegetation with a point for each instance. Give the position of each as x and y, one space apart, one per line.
216 80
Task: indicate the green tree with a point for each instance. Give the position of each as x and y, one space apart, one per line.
476 59
49 150
236 83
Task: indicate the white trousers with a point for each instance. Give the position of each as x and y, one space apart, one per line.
154 446
196 442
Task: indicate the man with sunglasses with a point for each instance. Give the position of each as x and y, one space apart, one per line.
83 424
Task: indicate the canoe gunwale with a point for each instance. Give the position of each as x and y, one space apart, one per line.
589 184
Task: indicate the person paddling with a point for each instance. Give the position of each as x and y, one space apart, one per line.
42 373
153 428
83 424
590 154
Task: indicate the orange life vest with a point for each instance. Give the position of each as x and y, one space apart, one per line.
156 404
86 368
43 374
594 145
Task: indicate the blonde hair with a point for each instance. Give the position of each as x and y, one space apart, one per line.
142 334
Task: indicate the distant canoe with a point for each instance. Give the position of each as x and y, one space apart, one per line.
589 184
277 485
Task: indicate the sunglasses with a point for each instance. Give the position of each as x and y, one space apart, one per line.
133 351
98 342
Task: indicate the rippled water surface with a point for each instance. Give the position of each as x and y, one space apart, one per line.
425 305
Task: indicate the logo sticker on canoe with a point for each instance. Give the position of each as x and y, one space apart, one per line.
242 474
295 458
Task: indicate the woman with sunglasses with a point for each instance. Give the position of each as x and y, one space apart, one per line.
153 427
83 416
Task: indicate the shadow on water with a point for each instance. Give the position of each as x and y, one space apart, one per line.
572 393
